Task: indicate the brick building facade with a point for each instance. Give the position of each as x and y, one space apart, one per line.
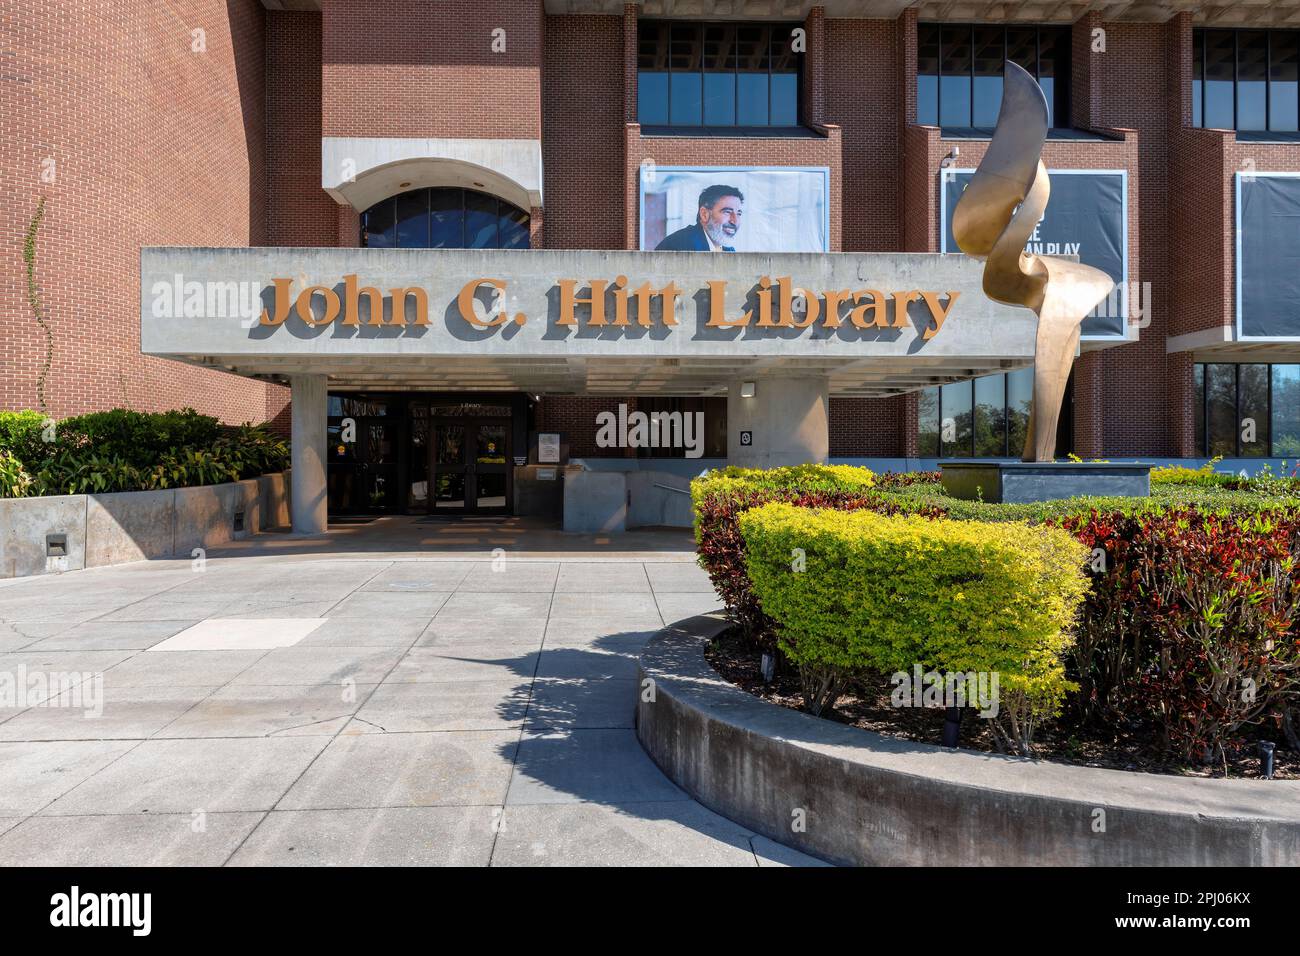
203 124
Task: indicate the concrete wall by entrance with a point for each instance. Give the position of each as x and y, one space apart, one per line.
786 421
127 526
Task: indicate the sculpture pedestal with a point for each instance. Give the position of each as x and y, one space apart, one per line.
1019 482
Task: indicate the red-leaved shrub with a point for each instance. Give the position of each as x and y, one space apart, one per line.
1191 622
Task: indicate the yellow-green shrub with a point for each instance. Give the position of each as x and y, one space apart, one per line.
1182 475
733 482
720 496
884 593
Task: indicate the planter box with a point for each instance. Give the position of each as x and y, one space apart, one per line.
100 530
871 800
129 526
27 526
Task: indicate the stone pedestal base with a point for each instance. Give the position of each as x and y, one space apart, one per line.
1017 482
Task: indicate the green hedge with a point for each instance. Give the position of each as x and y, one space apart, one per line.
1194 592
720 497
1208 499
732 481
858 591
123 450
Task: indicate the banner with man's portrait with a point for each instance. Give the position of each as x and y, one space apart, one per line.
735 208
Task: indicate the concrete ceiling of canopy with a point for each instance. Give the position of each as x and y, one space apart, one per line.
611 376
360 171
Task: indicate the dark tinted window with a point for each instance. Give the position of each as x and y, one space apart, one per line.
959 71
955 419
1252 410
990 52
1252 80
987 417
707 74
1285 418
1221 409
1247 411
1282 81
927 77
444 219
652 73
1246 79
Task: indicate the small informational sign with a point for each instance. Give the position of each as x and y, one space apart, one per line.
521 460
545 474
746 439
548 448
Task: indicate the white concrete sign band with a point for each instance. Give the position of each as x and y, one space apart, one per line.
871 324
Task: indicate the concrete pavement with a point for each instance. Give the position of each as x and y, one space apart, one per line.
339 703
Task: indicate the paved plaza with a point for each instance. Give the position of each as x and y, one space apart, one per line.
394 693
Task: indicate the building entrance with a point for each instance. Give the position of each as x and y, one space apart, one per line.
424 453
468 461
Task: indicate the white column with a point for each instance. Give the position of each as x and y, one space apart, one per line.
788 421
308 497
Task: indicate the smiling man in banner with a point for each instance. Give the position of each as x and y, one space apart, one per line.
716 223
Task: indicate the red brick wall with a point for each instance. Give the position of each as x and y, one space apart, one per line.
154 143
862 99
870 427
574 416
1124 412
421 68
582 132
299 212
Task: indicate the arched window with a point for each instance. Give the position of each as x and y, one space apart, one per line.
444 218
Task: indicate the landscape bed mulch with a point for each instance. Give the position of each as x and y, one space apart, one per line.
868 706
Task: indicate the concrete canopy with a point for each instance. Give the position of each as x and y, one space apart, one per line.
188 314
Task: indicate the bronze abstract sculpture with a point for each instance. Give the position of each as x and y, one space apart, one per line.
994 218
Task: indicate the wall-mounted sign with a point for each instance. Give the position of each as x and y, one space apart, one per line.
746 439
1268 256
548 448
545 474
778 303
521 460
414 304
735 208
1087 216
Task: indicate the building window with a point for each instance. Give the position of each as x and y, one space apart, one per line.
1246 79
959 71
1247 411
444 218
710 440
987 417
717 74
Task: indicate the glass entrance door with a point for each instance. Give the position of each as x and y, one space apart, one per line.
469 465
363 447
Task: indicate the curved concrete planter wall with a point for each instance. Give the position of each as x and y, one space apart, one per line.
871 800
99 530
